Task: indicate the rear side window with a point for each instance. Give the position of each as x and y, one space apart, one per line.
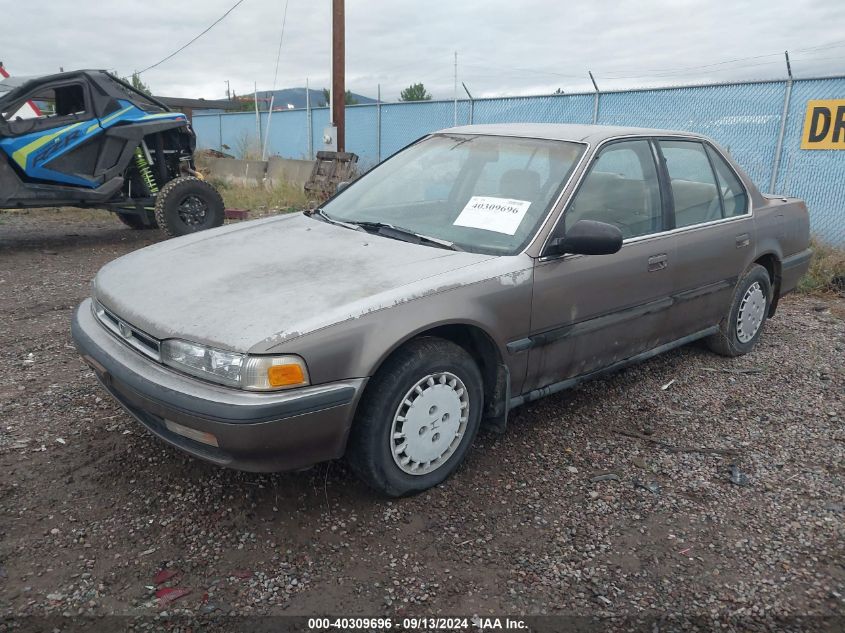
621 189
694 188
734 198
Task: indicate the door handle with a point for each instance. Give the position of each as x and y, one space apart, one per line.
743 240
657 262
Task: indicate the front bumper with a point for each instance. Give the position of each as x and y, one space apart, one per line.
259 432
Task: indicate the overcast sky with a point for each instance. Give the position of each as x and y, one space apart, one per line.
504 46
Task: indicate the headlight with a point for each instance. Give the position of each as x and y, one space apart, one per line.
255 373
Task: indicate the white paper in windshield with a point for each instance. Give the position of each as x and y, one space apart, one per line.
502 215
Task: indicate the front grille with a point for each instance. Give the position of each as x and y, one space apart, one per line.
127 333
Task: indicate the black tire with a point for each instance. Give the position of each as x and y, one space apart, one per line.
370 452
134 221
729 341
187 205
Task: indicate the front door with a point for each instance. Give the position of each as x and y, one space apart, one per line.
590 311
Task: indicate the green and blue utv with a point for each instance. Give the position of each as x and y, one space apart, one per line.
88 139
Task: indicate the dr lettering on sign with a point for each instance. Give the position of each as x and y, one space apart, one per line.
824 125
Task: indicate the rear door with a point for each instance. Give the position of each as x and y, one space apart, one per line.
590 311
713 229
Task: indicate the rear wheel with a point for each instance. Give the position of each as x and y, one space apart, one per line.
187 205
417 418
741 328
135 221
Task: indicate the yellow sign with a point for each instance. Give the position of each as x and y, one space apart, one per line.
824 125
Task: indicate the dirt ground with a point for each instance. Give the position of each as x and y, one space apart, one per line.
92 507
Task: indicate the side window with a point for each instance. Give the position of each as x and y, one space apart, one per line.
621 189
694 188
57 103
734 197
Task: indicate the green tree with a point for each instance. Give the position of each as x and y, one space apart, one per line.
139 85
135 82
244 104
415 92
241 103
327 97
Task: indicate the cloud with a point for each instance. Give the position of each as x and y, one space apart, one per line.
504 47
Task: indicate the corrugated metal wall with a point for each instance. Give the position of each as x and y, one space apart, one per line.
744 118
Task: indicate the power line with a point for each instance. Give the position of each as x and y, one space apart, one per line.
714 67
273 92
510 69
821 47
176 52
686 71
281 39
682 69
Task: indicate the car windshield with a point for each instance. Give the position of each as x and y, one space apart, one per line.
484 194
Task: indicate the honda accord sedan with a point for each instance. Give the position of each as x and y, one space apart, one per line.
478 269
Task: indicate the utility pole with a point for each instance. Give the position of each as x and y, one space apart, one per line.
455 117
257 114
228 93
338 96
596 97
779 149
308 120
471 103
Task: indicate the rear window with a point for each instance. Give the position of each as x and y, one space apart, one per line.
734 197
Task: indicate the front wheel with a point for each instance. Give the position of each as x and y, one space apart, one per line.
418 418
187 205
741 328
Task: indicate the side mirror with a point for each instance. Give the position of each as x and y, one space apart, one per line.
588 237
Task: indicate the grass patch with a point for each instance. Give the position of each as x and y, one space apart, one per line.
260 199
827 270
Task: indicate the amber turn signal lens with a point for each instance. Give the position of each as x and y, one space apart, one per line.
285 375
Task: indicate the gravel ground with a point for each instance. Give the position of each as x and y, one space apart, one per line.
92 508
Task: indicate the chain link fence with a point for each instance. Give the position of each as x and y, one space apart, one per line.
745 118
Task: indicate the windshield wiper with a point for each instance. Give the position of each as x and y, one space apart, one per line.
321 215
406 235
384 229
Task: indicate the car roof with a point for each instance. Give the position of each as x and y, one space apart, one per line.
564 131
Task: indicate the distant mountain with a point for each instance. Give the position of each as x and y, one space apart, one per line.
296 97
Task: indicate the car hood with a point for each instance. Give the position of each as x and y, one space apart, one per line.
275 279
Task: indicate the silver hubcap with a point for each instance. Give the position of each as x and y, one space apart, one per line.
751 313
429 424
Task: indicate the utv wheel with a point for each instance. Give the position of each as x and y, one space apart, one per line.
134 221
187 205
743 325
418 418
